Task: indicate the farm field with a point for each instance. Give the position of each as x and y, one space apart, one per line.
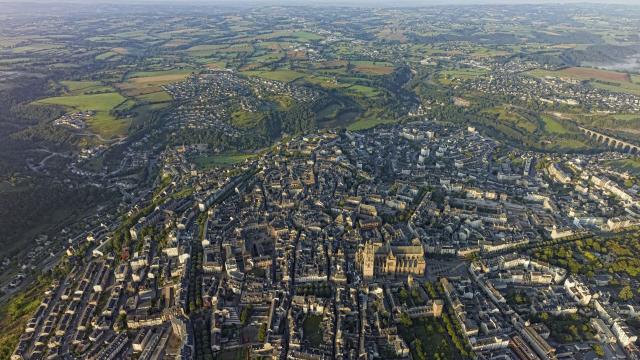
277 75
373 68
103 123
582 73
362 90
623 87
147 86
603 79
298 35
450 75
85 87
106 55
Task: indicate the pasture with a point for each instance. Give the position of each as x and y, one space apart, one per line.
103 123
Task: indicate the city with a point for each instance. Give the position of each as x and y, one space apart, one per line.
320 183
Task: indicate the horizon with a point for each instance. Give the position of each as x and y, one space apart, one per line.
350 3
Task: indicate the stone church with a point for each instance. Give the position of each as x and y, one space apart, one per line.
377 259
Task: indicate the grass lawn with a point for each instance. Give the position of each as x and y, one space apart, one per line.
312 330
553 126
568 144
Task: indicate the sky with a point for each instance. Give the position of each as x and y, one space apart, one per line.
373 3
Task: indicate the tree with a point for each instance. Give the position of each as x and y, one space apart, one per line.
625 293
262 332
405 320
598 349
403 295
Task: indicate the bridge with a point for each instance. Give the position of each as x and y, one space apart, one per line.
617 144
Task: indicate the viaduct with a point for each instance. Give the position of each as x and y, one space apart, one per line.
612 142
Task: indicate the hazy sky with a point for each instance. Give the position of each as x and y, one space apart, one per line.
335 2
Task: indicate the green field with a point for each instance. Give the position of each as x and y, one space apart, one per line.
362 90
448 76
158 73
553 126
85 87
14 61
512 117
35 48
368 122
631 165
628 88
568 145
103 123
97 102
298 35
105 56
146 86
602 79
15 313
156 97
277 75
246 119
220 49
627 117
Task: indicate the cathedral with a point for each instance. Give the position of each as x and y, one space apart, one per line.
382 259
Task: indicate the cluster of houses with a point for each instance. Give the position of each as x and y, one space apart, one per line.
76 120
510 80
212 100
